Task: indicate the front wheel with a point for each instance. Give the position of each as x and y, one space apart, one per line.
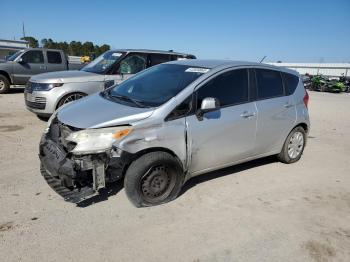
154 178
4 85
294 146
70 98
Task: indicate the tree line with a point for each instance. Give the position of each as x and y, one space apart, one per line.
74 48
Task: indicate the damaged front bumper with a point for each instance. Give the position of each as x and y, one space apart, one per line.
77 178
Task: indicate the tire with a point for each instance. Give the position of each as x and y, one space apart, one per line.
153 179
43 117
287 156
4 85
70 98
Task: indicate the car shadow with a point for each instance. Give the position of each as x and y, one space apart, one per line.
116 187
16 90
103 195
192 182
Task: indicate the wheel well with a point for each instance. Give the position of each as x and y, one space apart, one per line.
149 150
5 74
63 97
304 126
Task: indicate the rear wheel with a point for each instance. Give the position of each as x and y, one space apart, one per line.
293 147
70 98
4 85
154 178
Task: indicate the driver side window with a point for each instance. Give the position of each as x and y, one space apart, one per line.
230 88
33 57
132 64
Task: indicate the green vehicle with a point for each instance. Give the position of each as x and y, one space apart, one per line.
335 86
318 83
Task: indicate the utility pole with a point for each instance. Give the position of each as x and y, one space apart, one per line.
23 31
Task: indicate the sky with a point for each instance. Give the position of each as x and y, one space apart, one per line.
282 30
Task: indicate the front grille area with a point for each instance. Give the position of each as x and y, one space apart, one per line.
41 100
36 105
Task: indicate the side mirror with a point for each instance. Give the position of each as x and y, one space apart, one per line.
208 104
20 60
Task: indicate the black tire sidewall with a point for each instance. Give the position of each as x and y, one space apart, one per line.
7 85
140 166
283 156
60 103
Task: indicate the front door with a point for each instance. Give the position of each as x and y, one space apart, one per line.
32 64
227 134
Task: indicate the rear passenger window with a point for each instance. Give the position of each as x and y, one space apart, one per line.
269 83
54 57
156 59
229 88
290 82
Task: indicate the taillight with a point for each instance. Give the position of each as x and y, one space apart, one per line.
306 98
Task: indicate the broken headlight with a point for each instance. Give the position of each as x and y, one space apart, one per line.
97 140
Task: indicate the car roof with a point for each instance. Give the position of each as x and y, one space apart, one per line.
211 64
169 52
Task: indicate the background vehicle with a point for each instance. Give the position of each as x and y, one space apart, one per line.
346 81
318 83
18 68
335 86
172 122
306 80
328 84
46 92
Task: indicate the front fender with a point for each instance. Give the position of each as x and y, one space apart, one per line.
170 136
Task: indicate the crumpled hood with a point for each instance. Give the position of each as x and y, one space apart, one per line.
95 111
73 76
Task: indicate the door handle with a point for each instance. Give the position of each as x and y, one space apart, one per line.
247 114
288 105
42 67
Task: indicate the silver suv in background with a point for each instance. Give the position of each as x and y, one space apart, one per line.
44 93
172 122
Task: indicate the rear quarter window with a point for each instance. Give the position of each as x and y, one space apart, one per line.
290 82
54 57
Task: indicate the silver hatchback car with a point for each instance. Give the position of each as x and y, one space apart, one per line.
171 122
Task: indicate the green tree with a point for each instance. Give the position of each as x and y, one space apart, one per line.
31 40
76 48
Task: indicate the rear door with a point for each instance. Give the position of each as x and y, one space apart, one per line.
55 61
276 111
33 63
226 135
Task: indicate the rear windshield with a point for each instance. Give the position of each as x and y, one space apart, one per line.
155 86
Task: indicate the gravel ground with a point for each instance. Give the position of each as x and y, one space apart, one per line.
259 211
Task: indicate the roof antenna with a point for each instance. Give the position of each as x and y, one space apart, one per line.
262 59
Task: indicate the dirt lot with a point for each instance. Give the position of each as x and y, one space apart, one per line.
259 211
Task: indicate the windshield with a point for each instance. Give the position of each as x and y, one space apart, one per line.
155 86
102 63
15 55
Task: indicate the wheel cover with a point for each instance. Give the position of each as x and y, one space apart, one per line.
2 84
72 98
296 145
157 184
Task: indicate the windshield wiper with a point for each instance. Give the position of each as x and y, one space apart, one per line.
126 98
